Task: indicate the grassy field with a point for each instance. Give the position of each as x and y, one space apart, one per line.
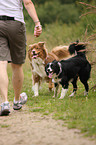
77 112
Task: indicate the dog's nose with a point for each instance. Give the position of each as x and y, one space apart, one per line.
48 70
33 51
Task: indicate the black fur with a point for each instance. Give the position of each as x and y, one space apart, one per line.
71 69
76 46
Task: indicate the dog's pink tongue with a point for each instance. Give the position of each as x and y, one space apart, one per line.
34 56
50 75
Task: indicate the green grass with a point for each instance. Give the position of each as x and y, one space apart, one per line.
77 112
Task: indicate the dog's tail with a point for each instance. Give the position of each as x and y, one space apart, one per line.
61 52
77 47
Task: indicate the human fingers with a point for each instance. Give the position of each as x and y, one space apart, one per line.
37 30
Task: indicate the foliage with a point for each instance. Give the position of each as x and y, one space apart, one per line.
89 20
51 12
61 1
59 34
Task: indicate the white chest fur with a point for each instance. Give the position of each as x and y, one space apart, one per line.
38 67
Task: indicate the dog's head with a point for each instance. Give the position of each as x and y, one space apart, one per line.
37 50
77 47
52 69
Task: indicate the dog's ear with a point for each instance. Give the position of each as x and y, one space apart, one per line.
54 61
41 44
29 50
30 46
77 41
71 49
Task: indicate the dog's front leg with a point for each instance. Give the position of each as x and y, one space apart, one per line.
56 86
64 90
63 93
36 89
35 84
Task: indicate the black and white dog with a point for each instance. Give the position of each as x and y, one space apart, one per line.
69 70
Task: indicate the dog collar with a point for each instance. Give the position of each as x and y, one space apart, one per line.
60 68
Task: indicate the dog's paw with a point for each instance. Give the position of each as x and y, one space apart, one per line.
35 96
61 97
50 89
72 95
85 93
53 97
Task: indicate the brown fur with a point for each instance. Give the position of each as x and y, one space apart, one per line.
57 53
62 53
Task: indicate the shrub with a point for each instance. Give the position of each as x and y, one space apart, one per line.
50 12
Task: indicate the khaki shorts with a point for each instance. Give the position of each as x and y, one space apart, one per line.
12 41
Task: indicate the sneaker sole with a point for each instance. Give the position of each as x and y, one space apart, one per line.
17 108
5 112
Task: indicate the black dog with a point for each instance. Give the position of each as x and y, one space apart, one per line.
69 70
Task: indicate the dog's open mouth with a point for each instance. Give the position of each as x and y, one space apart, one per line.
50 74
35 55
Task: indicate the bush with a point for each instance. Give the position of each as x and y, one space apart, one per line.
56 34
61 1
50 12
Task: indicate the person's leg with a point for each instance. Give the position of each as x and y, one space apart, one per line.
3 80
5 107
17 80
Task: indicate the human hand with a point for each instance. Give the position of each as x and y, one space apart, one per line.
37 30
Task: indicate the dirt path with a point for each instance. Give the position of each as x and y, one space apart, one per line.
28 128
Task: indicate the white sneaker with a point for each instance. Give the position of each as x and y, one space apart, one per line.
17 105
23 98
5 109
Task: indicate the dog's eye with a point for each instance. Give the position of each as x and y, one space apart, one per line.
51 65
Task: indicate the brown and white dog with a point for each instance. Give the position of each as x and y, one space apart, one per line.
39 57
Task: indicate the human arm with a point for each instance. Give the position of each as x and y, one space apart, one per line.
28 4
